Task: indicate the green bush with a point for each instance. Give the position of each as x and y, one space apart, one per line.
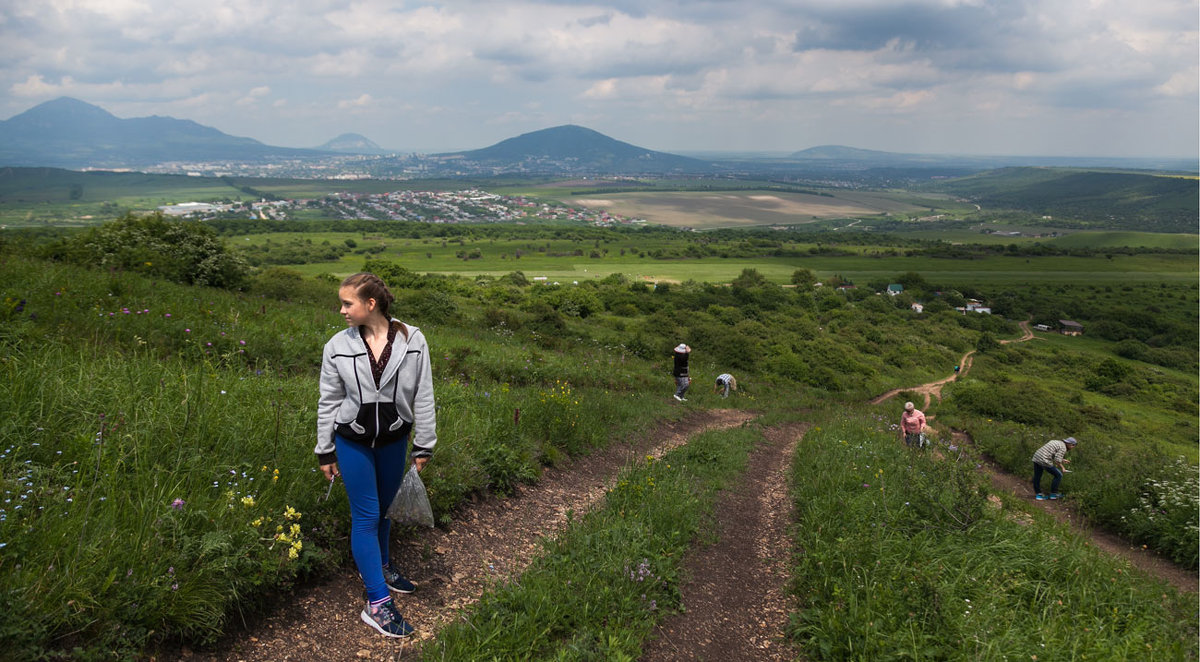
182 251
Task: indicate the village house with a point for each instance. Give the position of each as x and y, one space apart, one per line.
895 289
1069 328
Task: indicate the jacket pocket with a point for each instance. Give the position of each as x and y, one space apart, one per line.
376 422
392 427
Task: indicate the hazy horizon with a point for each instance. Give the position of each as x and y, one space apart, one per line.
1078 78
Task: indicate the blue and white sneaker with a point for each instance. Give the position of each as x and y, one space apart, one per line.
1040 497
386 620
397 582
1054 496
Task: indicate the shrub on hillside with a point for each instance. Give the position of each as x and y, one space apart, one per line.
1020 402
182 251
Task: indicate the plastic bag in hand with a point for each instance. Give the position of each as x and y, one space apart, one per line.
410 507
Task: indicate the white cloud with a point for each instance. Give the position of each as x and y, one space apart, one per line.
270 68
36 86
361 101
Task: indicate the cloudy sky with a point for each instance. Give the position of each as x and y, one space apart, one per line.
1019 77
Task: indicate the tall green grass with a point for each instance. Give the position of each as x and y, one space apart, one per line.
901 556
1134 470
600 586
149 458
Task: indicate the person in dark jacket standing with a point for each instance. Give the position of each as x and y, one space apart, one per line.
682 381
376 394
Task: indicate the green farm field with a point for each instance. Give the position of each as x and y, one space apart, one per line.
558 261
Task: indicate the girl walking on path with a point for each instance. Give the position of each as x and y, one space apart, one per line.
376 394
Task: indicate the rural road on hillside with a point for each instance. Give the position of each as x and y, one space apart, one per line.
934 389
489 541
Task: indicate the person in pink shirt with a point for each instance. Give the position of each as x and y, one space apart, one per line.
912 422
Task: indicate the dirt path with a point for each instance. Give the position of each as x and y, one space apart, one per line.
735 604
1065 512
490 541
934 389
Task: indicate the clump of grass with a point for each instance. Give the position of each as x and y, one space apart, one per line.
901 558
598 589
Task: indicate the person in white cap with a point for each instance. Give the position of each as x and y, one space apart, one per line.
1051 459
682 381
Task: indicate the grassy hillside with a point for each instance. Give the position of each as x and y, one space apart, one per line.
180 416
1090 199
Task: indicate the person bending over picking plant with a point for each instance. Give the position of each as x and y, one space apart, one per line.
1051 459
725 381
376 393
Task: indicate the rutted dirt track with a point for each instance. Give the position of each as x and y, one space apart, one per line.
735 607
490 541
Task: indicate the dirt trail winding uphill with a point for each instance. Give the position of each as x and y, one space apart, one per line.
736 608
490 541
934 389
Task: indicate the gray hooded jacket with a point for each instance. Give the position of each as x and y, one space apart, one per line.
353 407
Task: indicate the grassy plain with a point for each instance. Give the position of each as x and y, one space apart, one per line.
556 260
721 209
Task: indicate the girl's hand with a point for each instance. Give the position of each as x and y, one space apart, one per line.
330 471
420 462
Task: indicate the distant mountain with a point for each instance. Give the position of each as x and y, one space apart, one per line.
352 143
69 133
840 157
842 153
575 149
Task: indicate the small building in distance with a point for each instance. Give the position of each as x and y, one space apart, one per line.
975 306
189 208
1069 328
918 307
895 289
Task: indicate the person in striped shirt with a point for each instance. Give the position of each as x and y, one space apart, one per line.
1051 459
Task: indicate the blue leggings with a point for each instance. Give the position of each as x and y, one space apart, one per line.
371 477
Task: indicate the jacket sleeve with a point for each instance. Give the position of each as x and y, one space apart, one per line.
332 392
424 432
